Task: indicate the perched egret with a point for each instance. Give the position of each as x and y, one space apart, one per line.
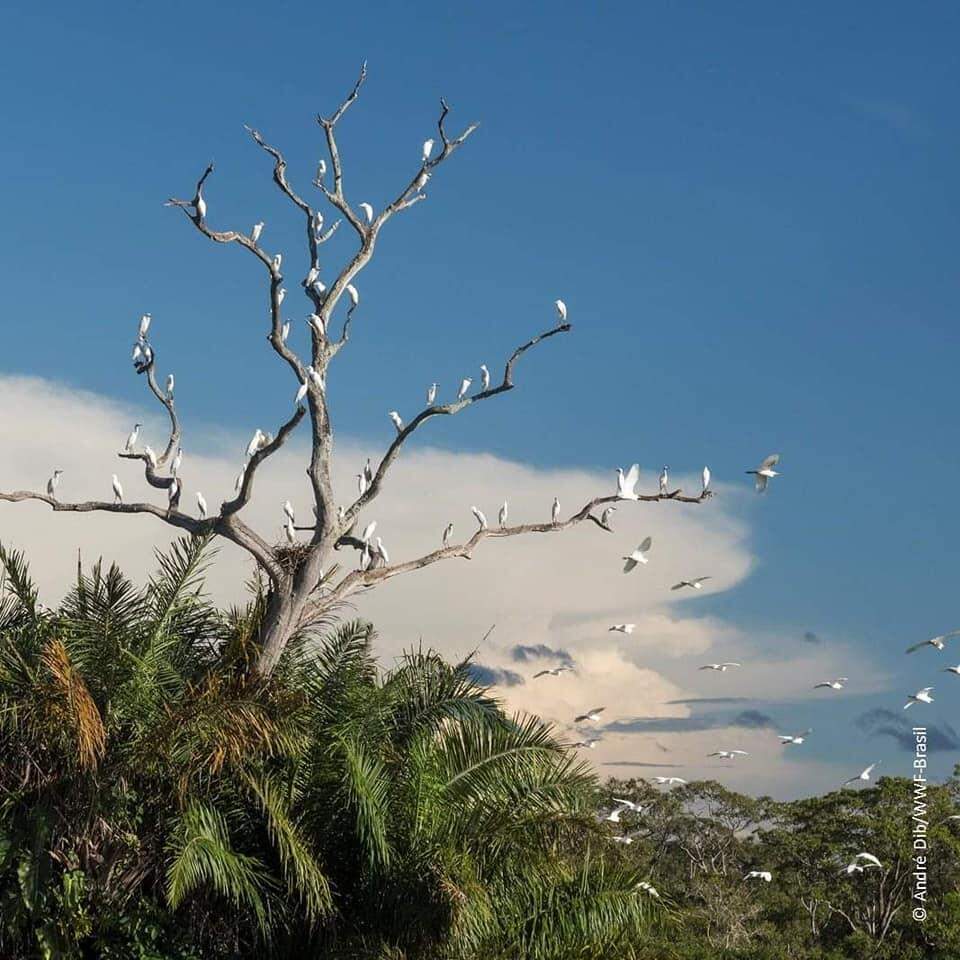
553 671
397 420
117 490
765 471
362 483
255 443
484 377
832 684
176 462
622 628
721 667
315 376
921 696
695 584
627 482
277 260
555 511
201 505
288 511
173 494
255 232
137 356
481 519
312 274
605 516
368 531
132 439
464 387
352 293
144 326
504 513
321 169
864 775
301 393
170 382
447 530
937 643
592 715
797 738
431 394
664 480
638 556
367 211
281 293
285 332
53 483
706 480
318 221
381 552
427 149
561 310
368 471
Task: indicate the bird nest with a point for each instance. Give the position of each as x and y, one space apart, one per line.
290 556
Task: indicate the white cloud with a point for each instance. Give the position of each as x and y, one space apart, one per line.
561 590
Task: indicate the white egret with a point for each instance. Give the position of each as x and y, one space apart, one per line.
137 356
255 443
397 420
938 643
649 888
797 738
132 438
362 483
765 471
367 211
170 382
427 149
622 628
627 482
955 670
706 480
150 455
638 556
555 511
864 775
117 490
589 744
312 274
605 516
201 505
255 232
381 552
668 781
592 715
759 875
464 387
368 471
144 326
352 293
177 462
318 221
277 260
431 394
504 513
173 494
484 377
561 310
855 865
321 169
53 483
832 684
281 293
447 530
288 511
921 696
315 376
664 480
368 531
301 393
481 518
721 667
728 754
554 671
290 532
696 584
622 839
285 332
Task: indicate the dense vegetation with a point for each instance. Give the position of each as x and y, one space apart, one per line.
156 802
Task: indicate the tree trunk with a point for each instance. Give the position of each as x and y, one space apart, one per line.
279 624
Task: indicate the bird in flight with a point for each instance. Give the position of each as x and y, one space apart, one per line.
638 556
855 866
622 628
765 471
592 715
759 875
668 781
832 684
695 584
553 671
921 696
797 738
722 667
728 754
863 775
627 482
53 483
955 670
588 744
625 805
936 642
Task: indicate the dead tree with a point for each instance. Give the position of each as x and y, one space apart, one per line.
303 582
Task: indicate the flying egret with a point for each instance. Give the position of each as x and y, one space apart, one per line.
864 775
431 394
664 480
553 671
201 505
447 530
255 232
759 875
285 332
955 670
561 310
301 393
555 511
627 482
53 483
321 169
592 715
150 455
352 293
367 211
605 516
464 387
832 684
706 480
696 584
288 511
277 260
397 420
668 781
855 866
144 326
921 696
484 378
132 439
504 513
622 628
427 149
368 531
625 805
765 471
117 490
481 519
628 805
638 556
728 754
589 744
798 738
936 642
721 667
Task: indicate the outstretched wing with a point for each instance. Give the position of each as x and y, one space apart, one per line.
633 475
770 461
646 545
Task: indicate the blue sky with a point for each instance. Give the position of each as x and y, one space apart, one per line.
750 210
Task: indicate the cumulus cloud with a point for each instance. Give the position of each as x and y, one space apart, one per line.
551 597
492 676
751 719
